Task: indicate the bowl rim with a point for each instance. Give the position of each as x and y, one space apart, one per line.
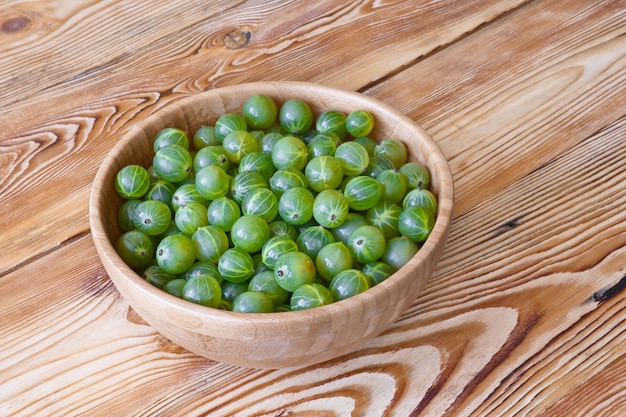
437 237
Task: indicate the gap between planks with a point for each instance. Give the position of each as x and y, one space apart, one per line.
77 237
402 68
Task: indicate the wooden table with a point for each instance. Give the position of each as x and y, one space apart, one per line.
527 99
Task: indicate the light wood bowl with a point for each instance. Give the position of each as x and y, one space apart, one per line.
269 340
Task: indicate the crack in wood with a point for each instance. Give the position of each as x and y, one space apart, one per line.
507 226
608 293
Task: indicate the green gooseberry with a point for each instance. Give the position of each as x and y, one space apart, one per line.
259 111
259 162
211 155
236 265
363 192
293 269
162 191
417 174
359 123
230 290
225 305
203 290
421 197
394 150
313 239
190 217
266 283
353 157
252 302
227 123
416 223
295 116
259 266
332 259
347 284
384 215
276 128
185 194
209 243
170 136
175 253
135 248
309 296
368 143
245 181
377 165
250 232
295 206
152 174
212 182
367 244
258 135
132 181
173 163
333 121
394 185
269 140
290 151
238 144
399 251
152 217
320 146
308 135
261 202
282 228
204 268
223 212
274 247
330 208
324 173
286 178
125 214
175 287
376 272
204 136
342 232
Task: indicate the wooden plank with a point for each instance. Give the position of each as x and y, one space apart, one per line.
509 316
74 339
57 129
155 48
566 281
524 315
160 50
500 112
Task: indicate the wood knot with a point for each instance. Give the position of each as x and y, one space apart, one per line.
15 24
237 39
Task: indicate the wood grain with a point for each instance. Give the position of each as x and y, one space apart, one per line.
147 61
487 109
524 315
496 334
271 340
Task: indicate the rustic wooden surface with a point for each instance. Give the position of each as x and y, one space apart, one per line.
527 99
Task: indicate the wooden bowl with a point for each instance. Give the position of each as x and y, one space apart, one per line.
269 340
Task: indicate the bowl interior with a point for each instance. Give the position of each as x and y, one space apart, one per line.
269 340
